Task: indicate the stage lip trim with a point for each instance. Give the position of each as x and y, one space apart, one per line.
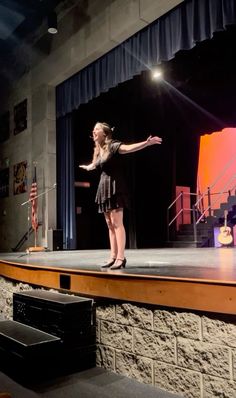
118 273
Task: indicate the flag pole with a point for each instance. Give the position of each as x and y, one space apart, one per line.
34 213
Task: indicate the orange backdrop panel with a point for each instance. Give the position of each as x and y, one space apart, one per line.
217 164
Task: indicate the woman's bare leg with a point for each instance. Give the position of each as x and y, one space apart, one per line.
112 235
119 230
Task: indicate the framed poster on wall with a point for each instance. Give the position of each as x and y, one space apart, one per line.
20 178
20 117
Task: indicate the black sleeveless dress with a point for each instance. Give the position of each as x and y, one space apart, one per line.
112 190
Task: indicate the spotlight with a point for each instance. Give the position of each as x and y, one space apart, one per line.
157 74
52 23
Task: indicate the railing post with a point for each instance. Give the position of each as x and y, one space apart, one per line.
182 205
194 224
168 227
209 200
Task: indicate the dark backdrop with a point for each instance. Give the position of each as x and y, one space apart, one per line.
198 97
136 109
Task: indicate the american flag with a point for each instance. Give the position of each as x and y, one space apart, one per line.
34 203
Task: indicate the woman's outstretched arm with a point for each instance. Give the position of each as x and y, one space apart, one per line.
123 149
88 167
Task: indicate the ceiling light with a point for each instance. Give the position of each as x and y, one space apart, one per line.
52 23
157 74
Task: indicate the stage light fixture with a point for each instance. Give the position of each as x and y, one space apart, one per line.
157 74
52 23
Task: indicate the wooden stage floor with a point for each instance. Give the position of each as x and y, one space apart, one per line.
190 278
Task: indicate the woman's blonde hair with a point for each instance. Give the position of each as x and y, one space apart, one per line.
106 146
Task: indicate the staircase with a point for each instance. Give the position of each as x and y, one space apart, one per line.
230 206
184 237
203 213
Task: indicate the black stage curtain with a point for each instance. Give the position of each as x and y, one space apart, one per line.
180 29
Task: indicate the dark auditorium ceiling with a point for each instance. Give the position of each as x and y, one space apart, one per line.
19 18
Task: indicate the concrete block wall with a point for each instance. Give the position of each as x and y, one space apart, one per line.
86 31
37 143
14 217
192 354
182 352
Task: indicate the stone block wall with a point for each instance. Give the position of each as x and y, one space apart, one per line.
7 288
182 352
192 354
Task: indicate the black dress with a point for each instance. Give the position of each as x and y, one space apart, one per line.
112 189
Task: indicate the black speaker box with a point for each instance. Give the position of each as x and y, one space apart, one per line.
55 239
29 355
26 341
26 351
71 318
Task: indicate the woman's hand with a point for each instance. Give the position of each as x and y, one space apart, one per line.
87 167
153 140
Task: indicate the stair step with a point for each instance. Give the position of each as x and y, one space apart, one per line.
181 244
232 199
200 228
190 237
224 206
211 220
187 238
219 213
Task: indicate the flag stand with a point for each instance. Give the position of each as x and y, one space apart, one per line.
35 248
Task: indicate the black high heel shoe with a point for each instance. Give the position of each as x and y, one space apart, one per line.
119 263
109 263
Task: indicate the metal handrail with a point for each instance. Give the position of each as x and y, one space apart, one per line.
174 201
182 209
178 214
180 195
222 192
195 208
